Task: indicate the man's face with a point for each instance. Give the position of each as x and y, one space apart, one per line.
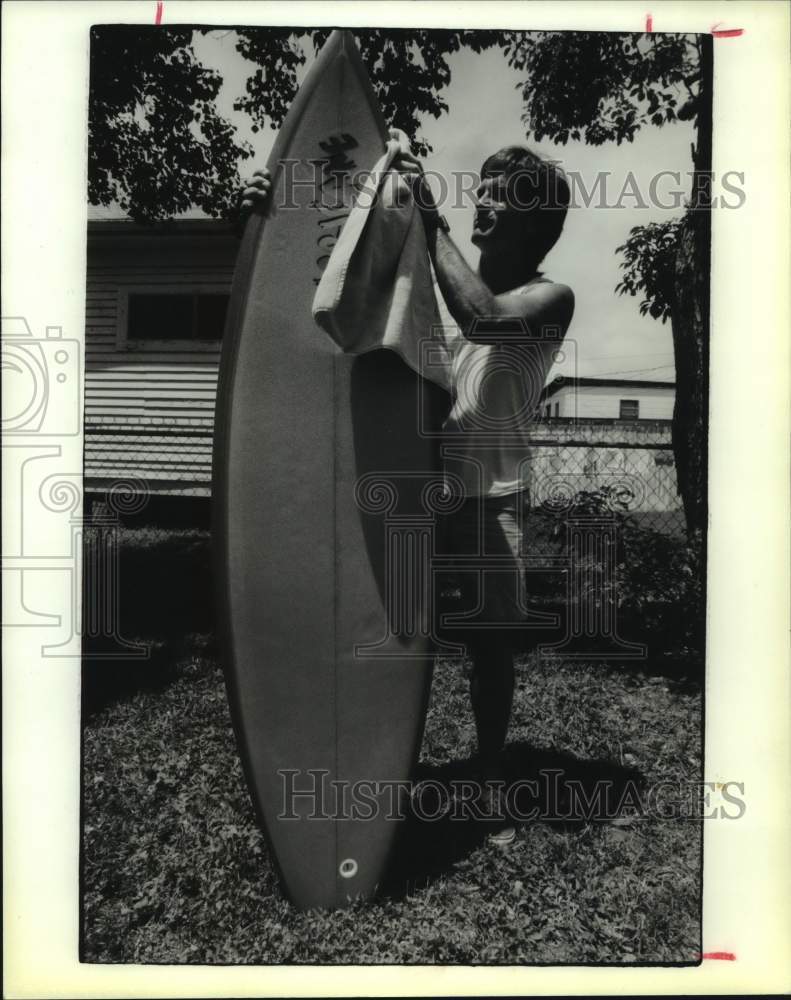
497 225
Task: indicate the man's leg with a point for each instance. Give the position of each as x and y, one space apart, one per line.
492 681
491 694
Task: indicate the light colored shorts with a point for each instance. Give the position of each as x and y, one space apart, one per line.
484 585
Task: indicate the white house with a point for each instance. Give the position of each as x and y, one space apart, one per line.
608 399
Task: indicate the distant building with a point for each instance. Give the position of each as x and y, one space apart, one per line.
608 399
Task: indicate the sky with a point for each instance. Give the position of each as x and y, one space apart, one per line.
608 336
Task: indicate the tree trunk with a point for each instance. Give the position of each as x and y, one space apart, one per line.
690 322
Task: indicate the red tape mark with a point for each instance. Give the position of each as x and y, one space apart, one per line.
715 28
158 16
726 32
718 956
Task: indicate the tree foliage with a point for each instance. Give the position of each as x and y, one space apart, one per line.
600 87
157 144
649 266
603 86
408 69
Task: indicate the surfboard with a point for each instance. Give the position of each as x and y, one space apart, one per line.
323 479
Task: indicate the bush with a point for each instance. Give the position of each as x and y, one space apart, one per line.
658 585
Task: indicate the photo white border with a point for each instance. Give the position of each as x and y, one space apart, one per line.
747 903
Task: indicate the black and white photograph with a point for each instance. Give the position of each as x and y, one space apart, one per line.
473 446
393 527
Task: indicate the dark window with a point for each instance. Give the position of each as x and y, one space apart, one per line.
210 316
557 409
548 411
174 316
630 409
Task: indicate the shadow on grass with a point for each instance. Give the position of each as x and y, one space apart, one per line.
109 679
664 655
428 850
167 592
162 612
106 679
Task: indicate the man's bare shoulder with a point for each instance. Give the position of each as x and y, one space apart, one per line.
543 301
546 290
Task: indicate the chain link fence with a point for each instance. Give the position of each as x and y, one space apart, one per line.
629 467
166 465
172 457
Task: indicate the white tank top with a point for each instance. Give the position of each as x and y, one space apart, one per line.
496 389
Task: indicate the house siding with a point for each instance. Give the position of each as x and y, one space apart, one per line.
149 413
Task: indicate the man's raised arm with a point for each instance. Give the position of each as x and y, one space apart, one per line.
469 299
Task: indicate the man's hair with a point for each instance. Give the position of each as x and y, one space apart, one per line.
534 186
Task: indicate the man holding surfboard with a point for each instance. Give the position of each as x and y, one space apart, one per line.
511 320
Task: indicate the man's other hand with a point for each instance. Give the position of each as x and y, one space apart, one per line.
257 192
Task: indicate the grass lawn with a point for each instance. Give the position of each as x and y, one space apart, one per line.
175 869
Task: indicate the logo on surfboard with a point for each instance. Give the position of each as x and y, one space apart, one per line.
332 195
335 168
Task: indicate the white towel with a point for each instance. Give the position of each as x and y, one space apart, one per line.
377 289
